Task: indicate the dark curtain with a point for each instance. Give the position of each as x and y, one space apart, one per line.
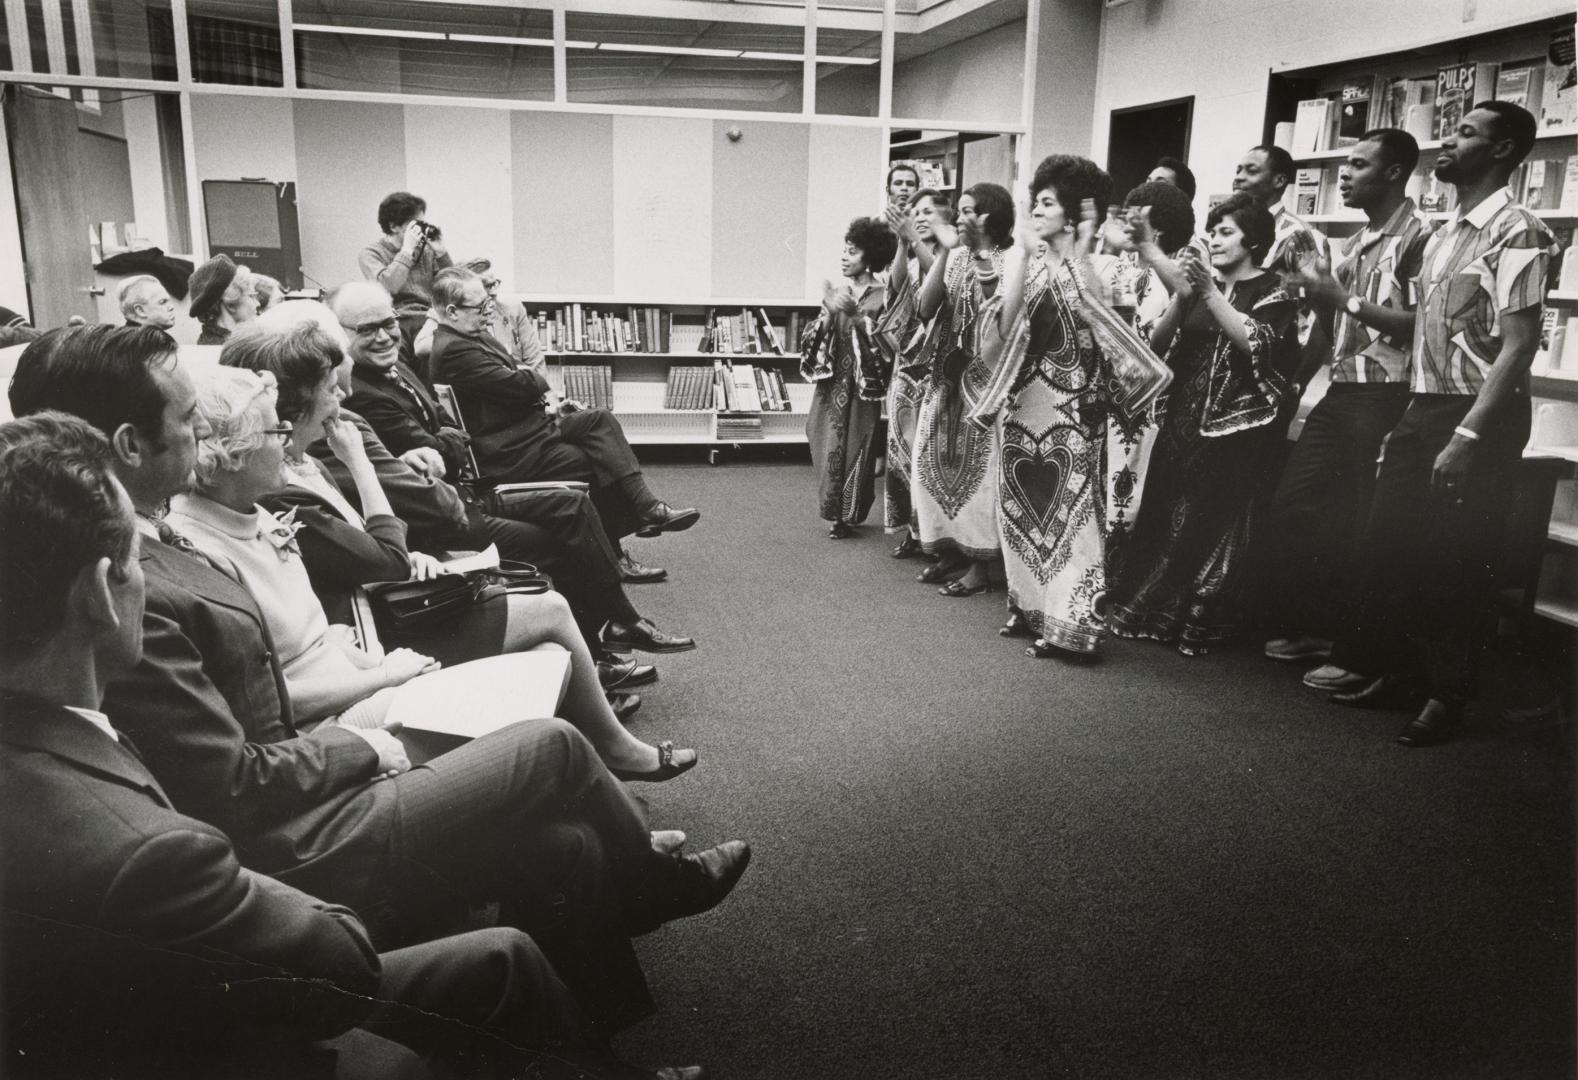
225 51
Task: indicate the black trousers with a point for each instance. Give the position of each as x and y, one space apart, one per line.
589 445
1429 560
1321 504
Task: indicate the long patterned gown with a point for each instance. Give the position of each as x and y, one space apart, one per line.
1052 477
839 355
1130 439
901 336
954 490
1187 561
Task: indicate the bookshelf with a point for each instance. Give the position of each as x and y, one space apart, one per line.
1421 90
656 362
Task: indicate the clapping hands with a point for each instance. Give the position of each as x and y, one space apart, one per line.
839 300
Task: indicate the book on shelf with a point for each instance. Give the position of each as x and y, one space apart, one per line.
1458 87
733 424
1523 86
1568 198
1559 94
746 395
1567 277
769 334
1306 190
1353 111
1311 126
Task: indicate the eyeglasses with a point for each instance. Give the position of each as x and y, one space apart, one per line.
283 429
472 307
390 326
490 283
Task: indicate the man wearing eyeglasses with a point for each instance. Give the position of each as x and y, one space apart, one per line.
508 322
559 531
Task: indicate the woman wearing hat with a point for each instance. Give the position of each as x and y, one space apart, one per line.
224 296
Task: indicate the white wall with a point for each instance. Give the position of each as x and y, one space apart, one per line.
980 78
13 274
1154 50
147 172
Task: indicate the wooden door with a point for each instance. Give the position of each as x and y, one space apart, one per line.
42 130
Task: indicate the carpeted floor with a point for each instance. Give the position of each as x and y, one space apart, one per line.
973 864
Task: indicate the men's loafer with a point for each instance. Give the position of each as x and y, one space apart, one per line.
621 674
644 636
1298 648
1330 677
633 573
624 706
1436 723
1385 692
705 879
664 518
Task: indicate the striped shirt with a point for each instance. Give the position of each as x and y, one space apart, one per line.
1378 266
1481 265
1289 225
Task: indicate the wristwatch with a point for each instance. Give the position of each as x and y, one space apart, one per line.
1351 306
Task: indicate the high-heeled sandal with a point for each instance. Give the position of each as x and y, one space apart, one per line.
908 548
936 572
841 530
1042 649
1016 626
666 769
959 588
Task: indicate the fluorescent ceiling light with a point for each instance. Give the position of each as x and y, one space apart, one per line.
495 39
799 58
369 31
676 50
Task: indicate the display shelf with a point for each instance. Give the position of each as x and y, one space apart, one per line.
1562 297
1341 152
1562 611
580 357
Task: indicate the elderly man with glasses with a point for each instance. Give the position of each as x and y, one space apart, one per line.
558 530
508 322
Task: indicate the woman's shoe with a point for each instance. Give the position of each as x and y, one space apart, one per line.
666 769
1016 626
959 588
938 572
908 548
1042 649
841 530
1193 648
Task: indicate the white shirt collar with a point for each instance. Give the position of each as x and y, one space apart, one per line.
97 719
1488 207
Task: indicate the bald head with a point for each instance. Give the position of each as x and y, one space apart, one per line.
365 311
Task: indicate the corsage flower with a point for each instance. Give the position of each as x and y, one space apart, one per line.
282 534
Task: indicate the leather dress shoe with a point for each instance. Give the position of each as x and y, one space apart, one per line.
1329 677
705 879
634 573
624 706
664 518
681 1072
621 673
644 636
1437 722
1385 692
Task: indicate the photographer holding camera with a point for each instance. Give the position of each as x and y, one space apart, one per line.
406 258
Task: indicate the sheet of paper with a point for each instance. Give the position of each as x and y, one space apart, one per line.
482 560
484 695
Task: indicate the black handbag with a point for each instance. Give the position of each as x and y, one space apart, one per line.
405 604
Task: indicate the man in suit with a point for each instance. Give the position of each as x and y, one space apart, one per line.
408 420
512 433
527 816
135 943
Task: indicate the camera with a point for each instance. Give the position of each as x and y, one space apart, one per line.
432 232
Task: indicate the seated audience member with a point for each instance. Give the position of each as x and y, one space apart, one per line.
270 293
223 297
406 258
521 816
15 329
1449 479
513 436
1228 336
386 391
508 321
334 548
1324 494
1169 170
136 945
145 302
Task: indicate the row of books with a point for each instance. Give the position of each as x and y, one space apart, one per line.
1431 107
1547 183
590 384
739 426
690 386
574 328
747 388
751 331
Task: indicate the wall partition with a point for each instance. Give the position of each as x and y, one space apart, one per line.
663 149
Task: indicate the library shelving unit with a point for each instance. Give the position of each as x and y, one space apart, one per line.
640 375
1514 49
1554 390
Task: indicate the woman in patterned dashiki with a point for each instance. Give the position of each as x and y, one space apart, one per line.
954 482
1049 394
1157 220
900 335
1233 351
839 355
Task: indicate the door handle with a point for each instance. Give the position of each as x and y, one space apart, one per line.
94 290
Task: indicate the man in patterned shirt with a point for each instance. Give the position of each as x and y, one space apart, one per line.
1450 466
1324 496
